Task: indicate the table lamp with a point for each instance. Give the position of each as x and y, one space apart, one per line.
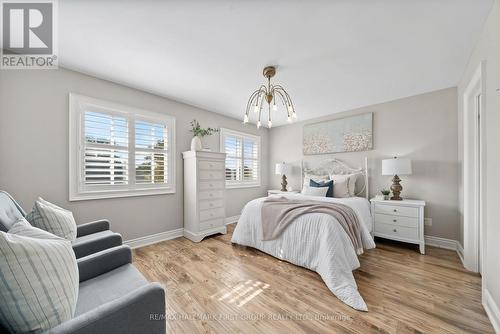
282 169
396 167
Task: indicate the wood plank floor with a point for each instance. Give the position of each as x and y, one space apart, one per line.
217 287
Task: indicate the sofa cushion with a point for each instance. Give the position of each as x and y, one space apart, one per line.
39 279
53 219
10 211
108 287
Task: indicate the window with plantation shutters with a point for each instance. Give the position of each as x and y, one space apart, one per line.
242 158
118 151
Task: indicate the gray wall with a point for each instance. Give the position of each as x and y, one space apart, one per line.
422 128
488 49
34 149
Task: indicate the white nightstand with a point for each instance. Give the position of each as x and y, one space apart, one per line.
399 220
277 191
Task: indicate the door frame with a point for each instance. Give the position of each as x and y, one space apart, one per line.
474 172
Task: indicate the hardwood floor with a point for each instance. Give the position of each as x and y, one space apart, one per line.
217 287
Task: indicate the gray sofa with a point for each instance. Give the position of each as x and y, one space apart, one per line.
114 297
91 237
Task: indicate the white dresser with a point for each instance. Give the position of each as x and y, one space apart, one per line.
204 188
399 220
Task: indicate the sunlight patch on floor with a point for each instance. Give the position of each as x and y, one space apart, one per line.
241 293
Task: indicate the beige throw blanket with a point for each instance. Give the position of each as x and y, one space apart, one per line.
279 212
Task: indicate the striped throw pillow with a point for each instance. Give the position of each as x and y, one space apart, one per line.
51 218
38 279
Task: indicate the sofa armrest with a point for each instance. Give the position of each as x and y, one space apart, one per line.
92 227
100 263
140 311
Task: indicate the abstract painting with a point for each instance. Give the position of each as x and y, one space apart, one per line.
349 134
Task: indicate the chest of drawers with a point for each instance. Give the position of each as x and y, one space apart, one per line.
204 190
399 220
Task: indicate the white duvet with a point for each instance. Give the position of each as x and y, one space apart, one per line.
315 241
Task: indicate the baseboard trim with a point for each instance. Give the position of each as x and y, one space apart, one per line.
492 310
446 244
441 242
232 220
154 238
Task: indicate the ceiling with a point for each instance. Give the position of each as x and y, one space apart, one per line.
331 56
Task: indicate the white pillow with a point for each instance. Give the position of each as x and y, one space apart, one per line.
315 191
350 179
51 218
39 285
341 187
316 178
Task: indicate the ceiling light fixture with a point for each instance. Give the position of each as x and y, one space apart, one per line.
269 94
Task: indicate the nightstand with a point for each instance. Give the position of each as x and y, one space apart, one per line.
399 220
277 191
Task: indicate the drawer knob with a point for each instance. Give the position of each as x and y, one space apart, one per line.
395 210
394 220
394 230
211 204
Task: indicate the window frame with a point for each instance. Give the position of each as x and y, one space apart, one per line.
242 184
78 190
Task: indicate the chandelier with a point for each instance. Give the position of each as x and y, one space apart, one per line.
270 94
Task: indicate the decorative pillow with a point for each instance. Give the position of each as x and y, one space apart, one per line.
39 285
320 184
51 218
316 178
312 191
351 181
341 187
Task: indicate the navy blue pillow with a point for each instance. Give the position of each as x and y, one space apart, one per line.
322 184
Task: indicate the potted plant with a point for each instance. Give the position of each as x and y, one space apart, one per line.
386 193
198 134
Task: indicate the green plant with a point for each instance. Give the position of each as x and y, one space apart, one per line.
385 192
198 131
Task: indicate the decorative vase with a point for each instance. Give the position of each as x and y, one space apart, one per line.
196 144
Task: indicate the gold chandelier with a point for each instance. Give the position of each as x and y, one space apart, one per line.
269 94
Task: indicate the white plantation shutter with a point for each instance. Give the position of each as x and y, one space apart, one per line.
119 151
105 159
151 161
242 158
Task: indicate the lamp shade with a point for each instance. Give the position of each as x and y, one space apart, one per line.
396 166
282 168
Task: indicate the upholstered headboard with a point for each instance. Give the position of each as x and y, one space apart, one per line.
336 166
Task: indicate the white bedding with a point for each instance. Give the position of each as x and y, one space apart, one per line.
315 241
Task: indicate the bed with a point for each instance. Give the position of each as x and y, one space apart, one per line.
316 240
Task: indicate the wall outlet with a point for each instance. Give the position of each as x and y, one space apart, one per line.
428 221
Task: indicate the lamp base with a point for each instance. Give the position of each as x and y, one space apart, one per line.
396 189
283 183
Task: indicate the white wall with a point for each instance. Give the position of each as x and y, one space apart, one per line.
422 128
488 49
34 149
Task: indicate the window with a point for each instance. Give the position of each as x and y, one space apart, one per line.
118 151
242 158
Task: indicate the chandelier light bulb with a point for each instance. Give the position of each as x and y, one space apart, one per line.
275 107
269 124
294 115
259 124
245 119
289 119
290 109
256 108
